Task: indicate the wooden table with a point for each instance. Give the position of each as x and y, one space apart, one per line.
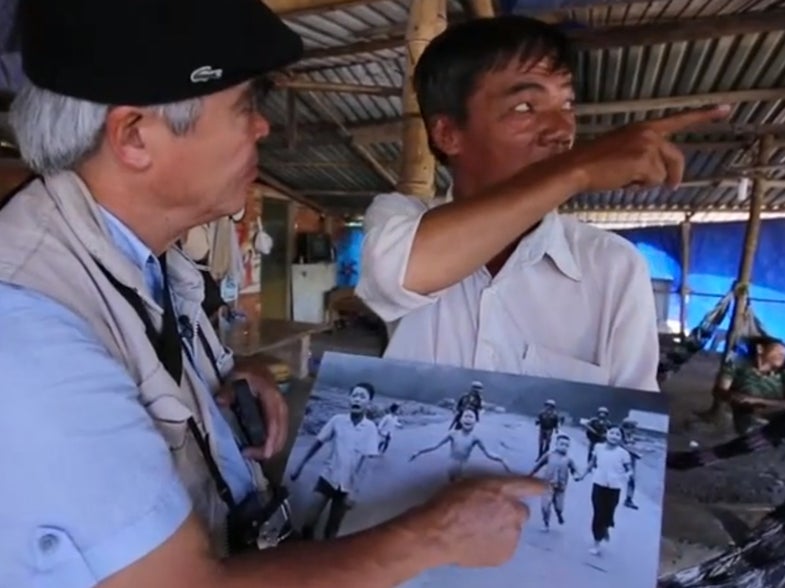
288 341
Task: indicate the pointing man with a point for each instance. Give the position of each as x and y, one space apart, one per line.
495 279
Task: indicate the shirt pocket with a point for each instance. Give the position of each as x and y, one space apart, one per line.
540 361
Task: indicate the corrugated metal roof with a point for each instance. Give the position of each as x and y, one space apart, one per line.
750 61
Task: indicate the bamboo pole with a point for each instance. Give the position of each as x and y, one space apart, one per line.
479 8
684 290
427 18
752 232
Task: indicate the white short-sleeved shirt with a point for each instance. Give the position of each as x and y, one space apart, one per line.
612 464
573 302
387 424
349 443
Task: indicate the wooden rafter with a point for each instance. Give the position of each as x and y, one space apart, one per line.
305 85
283 188
302 7
326 110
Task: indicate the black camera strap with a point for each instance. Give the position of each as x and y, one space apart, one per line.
168 348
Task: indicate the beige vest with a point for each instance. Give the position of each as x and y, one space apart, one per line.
53 235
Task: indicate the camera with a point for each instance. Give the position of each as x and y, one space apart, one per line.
261 519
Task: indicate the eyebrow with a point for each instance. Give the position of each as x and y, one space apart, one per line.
528 86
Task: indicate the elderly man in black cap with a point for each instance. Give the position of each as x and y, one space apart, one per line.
120 466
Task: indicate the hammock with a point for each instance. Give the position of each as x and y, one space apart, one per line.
749 327
675 358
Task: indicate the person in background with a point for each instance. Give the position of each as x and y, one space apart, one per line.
596 429
141 120
754 384
629 428
548 420
492 277
472 400
387 424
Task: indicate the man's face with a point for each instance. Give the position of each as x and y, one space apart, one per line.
602 415
359 400
208 172
517 116
468 420
562 445
774 356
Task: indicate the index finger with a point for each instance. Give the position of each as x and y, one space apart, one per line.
690 118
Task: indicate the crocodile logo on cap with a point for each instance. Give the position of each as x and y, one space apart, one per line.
205 74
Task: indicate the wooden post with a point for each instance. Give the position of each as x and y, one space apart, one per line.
427 18
684 291
479 8
759 187
291 120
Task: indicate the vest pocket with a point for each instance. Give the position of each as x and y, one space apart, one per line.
171 419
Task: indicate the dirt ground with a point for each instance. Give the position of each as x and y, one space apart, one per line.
746 487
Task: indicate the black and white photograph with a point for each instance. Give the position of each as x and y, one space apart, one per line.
381 436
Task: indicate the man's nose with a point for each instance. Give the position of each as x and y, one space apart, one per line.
559 127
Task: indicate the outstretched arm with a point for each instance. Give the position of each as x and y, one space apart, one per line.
313 450
492 456
429 449
539 464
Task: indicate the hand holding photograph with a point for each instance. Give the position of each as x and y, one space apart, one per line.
382 436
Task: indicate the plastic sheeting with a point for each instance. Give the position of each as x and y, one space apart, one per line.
348 253
715 255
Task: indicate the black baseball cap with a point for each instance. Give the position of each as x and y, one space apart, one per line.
144 52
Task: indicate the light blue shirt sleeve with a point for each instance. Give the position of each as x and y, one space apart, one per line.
88 484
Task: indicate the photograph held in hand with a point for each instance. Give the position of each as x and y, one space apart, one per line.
599 451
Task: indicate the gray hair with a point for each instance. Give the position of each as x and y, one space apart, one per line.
56 132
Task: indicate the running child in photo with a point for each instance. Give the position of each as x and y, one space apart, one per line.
558 468
611 465
387 424
462 443
351 438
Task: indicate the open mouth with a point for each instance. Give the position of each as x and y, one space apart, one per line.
357 407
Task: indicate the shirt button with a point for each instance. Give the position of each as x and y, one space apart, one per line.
48 543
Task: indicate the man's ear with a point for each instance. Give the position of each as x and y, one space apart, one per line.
446 135
125 136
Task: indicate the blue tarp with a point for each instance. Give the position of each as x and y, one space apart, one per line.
715 254
348 253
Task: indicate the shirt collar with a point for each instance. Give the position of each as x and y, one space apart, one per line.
136 251
549 239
